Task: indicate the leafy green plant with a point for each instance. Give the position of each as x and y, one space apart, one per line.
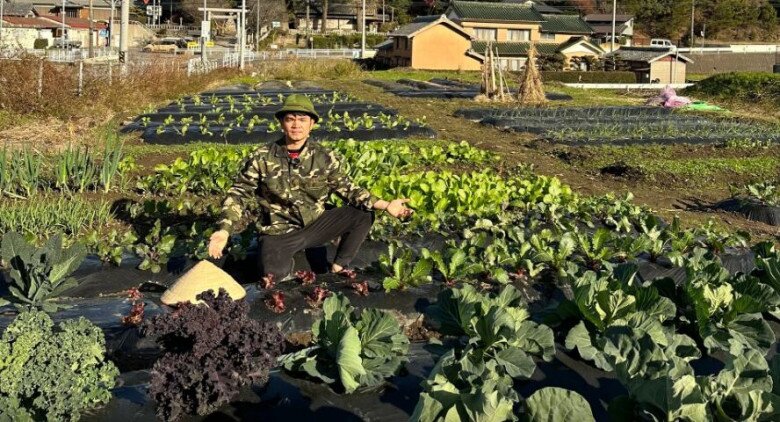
494 328
37 360
39 275
351 350
111 246
401 270
156 248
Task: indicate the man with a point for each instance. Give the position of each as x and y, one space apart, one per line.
292 179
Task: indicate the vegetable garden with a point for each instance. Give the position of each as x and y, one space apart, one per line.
507 296
623 126
246 116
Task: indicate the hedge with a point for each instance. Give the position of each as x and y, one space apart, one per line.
744 86
590 77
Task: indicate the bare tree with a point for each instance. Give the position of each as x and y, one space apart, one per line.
190 12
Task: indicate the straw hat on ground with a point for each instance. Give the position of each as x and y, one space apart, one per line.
200 278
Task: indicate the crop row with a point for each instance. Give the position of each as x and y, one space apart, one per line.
221 125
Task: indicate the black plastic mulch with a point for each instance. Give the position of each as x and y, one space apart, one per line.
241 137
752 209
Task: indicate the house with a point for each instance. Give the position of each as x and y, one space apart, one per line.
18 9
509 27
77 29
602 28
22 31
101 9
342 17
653 65
430 42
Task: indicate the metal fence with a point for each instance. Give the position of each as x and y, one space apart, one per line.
75 55
231 59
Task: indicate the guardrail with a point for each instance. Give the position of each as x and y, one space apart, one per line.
626 86
734 48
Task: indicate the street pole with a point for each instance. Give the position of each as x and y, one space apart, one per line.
612 38
693 6
242 35
203 35
257 26
1 24
363 33
111 25
383 11
91 31
62 15
124 33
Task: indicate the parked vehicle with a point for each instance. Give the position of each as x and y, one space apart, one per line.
165 45
662 43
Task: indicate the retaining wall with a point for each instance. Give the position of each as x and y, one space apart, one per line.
730 62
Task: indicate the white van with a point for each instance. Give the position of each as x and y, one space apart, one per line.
662 43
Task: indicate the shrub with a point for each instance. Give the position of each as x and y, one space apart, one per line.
212 350
40 43
48 374
589 77
743 86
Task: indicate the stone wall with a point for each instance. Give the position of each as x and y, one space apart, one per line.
730 62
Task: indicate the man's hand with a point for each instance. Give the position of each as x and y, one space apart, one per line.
397 209
217 243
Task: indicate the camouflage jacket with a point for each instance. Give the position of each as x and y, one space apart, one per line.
290 196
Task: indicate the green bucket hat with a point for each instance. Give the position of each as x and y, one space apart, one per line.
297 103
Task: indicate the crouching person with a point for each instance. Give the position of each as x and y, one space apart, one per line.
292 180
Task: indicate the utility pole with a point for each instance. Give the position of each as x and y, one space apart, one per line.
124 32
203 35
91 31
363 33
63 38
612 38
1 25
111 25
257 26
693 8
242 35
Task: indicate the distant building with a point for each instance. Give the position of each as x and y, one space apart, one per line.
602 29
22 31
653 65
467 27
342 17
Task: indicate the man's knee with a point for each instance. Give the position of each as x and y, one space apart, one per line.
363 217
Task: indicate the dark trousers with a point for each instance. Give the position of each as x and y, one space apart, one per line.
350 223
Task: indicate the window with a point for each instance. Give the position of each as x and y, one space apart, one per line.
485 34
547 36
514 65
519 35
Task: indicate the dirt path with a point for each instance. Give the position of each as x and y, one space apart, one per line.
682 201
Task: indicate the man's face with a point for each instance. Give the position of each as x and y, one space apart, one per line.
297 126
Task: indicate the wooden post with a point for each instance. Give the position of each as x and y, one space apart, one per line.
492 73
40 78
81 77
110 73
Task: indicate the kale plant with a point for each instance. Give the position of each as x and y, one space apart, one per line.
52 374
39 275
212 350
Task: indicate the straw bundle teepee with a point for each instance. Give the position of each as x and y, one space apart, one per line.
531 90
200 278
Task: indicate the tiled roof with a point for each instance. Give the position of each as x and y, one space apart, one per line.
78 23
607 17
539 6
17 9
482 11
639 54
38 23
607 28
421 22
510 49
576 40
565 24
